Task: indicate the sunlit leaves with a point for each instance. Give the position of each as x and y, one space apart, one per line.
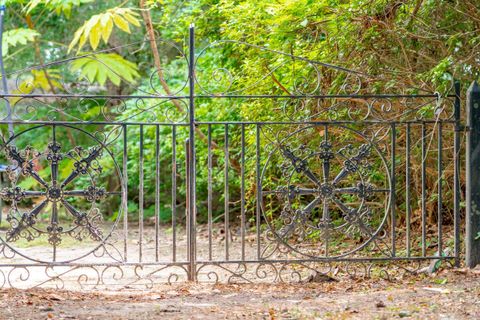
100 67
47 80
441 75
59 6
100 26
20 36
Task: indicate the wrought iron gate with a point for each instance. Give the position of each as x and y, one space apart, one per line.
334 183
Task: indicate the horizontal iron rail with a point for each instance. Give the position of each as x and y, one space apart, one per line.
198 123
213 262
366 259
223 96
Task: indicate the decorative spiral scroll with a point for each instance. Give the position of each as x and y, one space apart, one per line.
218 71
91 277
332 195
54 193
147 277
367 109
91 110
304 271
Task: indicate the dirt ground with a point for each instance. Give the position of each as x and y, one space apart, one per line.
450 294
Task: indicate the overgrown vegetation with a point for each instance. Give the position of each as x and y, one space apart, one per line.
405 46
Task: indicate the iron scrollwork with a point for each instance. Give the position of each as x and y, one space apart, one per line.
327 202
56 197
326 186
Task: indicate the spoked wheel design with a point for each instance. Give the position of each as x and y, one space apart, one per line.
64 186
332 196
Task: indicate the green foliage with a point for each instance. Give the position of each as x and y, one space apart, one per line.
37 79
102 66
403 48
14 37
59 6
100 26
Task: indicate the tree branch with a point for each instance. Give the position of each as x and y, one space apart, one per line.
158 65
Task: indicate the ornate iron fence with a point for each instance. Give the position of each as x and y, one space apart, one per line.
332 183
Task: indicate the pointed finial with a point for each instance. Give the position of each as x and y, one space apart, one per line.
474 87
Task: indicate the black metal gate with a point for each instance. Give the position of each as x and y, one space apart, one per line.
335 183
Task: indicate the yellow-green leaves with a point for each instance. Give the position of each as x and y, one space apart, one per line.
103 66
43 79
59 6
14 37
100 27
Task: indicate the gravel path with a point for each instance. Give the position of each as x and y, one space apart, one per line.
450 294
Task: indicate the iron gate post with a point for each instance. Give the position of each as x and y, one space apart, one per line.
191 171
473 177
456 173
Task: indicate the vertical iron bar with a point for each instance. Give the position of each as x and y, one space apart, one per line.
456 174
188 199
3 73
210 191
140 201
54 173
440 180
393 194
174 193
125 194
407 189
53 219
472 183
226 196
326 213
192 162
424 193
242 191
259 191
157 191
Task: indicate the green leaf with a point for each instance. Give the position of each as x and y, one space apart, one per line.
43 79
99 27
95 37
107 30
121 23
100 67
441 281
130 18
76 37
20 36
59 6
